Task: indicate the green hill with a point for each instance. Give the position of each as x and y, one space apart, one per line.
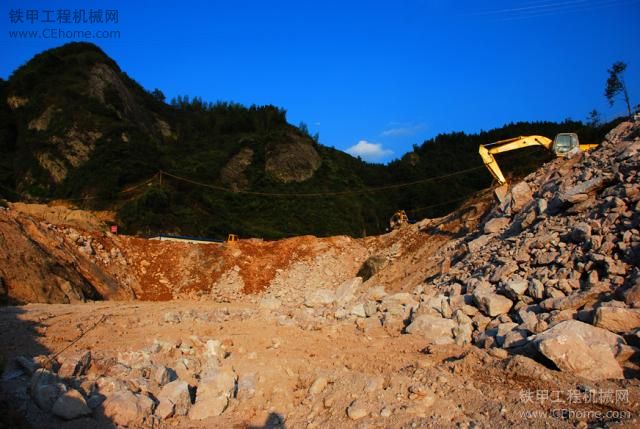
74 126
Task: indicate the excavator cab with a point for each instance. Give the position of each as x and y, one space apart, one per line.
565 143
231 239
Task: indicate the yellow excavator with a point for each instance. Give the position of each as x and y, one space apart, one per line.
561 146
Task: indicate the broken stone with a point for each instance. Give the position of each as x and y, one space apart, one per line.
347 289
581 232
212 396
516 287
492 304
45 388
617 319
477 244
174 400
434 329
75 365
521 195
318 385
357 410
71 405
582 349
127 409
496 225
319 298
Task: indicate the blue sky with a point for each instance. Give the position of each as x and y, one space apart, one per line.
373 76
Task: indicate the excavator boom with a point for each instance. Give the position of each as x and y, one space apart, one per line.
561 146
487 151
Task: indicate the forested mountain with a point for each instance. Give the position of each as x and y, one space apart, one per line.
74 126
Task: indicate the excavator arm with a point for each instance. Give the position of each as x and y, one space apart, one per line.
563 145
488 150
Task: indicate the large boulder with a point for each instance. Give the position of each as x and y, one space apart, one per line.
521 195
617 319
71 405
174 399
212 396
46 388
582 349
75 364
491 303
127 409
434 329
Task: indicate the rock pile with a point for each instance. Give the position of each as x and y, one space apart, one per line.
554 270
169 379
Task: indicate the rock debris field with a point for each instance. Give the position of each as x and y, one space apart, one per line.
520 314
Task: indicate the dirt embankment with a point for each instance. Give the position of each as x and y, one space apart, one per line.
54 254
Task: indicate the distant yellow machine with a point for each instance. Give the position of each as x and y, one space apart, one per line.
231 239
561 146
398 220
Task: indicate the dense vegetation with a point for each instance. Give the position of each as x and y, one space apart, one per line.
139 135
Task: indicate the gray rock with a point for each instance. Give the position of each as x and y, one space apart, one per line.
318 385
45 388
127 409
357 410
344 293
581 233
75 364
615 319
536 289
370 308
514 338
491 303
496 225
477 244
28 364
134 360
582 349
163 375
71 405
174 400
516 287
319 298
502 330
521 195
212 396
376 293
434 329
358 310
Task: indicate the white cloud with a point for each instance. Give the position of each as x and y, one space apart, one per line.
369 151
399 129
